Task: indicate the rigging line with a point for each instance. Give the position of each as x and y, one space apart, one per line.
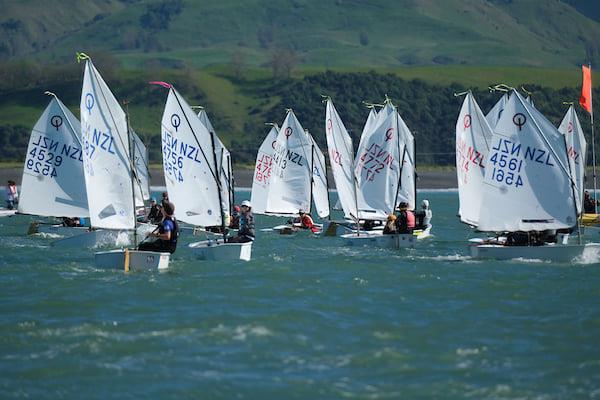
133 174
539 129
213 173
480 120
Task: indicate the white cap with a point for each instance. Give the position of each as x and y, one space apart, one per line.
246 203
425 204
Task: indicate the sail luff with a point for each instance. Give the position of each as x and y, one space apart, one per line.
107 162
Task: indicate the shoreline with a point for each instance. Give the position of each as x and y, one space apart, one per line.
443 179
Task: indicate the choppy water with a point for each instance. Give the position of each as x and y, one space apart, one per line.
306 318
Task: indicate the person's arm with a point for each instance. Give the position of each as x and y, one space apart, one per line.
166 235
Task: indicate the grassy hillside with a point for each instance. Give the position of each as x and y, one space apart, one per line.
327 33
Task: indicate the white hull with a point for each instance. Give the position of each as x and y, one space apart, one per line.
218 251
7 213
338 228
423 233
378 239
57 229
97 238
137 260
549 252
293 229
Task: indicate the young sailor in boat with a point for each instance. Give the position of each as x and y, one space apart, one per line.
155 215
306 222
390 225
424 215
235 218
589 204
168 232
12 196
405 222
246 233
71 222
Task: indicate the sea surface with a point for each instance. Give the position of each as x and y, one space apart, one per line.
307 318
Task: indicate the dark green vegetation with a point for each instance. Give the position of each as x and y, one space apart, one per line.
249 61
430 110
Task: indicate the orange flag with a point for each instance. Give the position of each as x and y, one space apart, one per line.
585 100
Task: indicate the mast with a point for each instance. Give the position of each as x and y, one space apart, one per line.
400 163
131 170
414 160
312 172
212 141
593 143
231 184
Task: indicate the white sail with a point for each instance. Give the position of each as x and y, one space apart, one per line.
408 190
473 138
320 191
576 150
224 162
262 172
370 122
188 163
377 167
142 183
527 184
53 182
495 113
290 182
106 158
341 159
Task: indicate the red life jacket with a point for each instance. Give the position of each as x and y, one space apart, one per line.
410 219
308 223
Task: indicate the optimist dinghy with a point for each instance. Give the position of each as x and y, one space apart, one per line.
289 175
526 183
193 166
109 167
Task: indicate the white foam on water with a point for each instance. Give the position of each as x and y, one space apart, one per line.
591 255
45 235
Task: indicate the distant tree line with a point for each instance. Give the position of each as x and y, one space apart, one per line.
430 111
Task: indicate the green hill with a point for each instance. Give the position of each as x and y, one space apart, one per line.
327 33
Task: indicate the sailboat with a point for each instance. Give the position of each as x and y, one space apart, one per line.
570 128
341 161
297 177
53 170
527 192
262 171
193 177
109 170
225 168
378 170
473 138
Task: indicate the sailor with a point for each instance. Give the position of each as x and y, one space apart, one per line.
71 222
168 232
155 215
12 196
306 222
424 215
405 223
165 198
235 218
390 226
589 204
246 233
